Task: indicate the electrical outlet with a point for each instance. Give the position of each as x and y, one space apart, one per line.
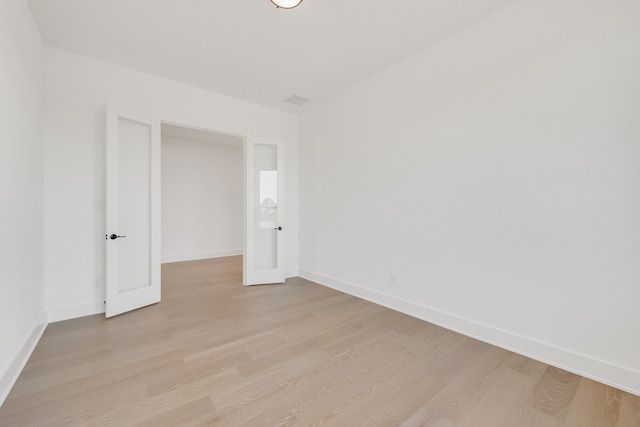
99 283
392 280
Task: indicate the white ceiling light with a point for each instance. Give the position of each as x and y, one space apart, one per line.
286 4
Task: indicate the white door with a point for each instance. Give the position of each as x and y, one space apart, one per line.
132 211
264 210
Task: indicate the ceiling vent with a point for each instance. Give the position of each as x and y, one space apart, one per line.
297 100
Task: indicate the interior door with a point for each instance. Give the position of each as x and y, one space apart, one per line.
264 210
132 211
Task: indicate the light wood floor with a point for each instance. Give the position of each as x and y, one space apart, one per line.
216 353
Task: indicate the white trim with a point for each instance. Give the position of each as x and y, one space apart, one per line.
198 256
599 370
9 377
291 273
90 308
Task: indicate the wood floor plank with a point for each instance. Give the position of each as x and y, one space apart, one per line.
427 417
187 414
594 405
131 413
217 353
527 366
531 417
511 389
555 392
465 390
388 380
629 414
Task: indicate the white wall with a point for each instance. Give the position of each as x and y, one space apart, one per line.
202 199
22 316
497 175
77 90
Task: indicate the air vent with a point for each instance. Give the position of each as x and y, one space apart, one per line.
297 100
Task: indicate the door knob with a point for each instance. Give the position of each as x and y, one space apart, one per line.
278 228
115 236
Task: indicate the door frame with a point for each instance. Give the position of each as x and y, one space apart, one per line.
245 143
156 214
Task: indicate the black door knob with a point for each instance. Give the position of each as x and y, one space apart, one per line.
115 236
278 228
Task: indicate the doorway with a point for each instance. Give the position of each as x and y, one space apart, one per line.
202 206
133 210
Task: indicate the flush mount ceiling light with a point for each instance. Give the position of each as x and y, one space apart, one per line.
286 4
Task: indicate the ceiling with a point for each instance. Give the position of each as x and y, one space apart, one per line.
251 50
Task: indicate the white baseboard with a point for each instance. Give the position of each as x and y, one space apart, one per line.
291 273
9 377
73 311
586 366
203 255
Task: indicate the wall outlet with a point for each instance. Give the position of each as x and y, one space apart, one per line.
392 280
99 283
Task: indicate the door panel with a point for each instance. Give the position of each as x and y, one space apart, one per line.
263 260
132 211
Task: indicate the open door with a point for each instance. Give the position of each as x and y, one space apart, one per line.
264 210
132 211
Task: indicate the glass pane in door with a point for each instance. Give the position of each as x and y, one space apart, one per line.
266 205
134 205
